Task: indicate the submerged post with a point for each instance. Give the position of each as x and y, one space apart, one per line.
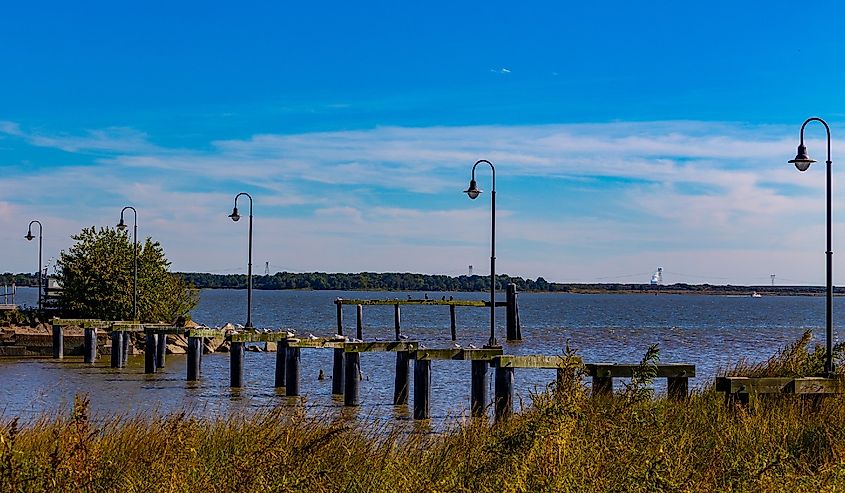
89 348
116 348
281 363
400 382
504 393
422 389
478 390
337 372
511 314
58 342
396 318
352 378
292 372
194 358
360 323
124 347
150 349
161 350
236 364
453 324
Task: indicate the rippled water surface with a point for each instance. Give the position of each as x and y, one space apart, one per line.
708 331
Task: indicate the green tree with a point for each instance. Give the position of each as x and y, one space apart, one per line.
96 274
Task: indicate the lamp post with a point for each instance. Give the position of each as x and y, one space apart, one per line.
473 192
122 226
235 217
29 237
802 161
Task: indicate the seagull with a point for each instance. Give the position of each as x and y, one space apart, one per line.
450 298
321 376
443 298
379 339
456 345
426 295
403 337
471 346
312 336
409 296
239 326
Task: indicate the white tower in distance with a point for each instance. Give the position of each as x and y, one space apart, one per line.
470 270
657 277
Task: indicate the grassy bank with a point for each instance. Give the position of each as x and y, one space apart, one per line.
564 442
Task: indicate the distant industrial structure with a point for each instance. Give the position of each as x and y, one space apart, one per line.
657 277
470 270
266 268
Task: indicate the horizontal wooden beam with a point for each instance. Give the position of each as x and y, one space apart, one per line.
379 346
210 333
80 322
470 354
126 327
474 303
250 336
780 385
663 370
318 343
818 385
536 361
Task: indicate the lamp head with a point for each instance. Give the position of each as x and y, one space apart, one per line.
802 161
29 236
121 225
473 192
234 215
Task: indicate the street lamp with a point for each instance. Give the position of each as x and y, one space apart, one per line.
802 161
235 217
473 192
122 226
29 237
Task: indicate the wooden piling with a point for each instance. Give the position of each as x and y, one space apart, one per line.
360 323
504 393
150 349
478 389
511 314
602 386
194 358
126 339
116 348
396 317
422 389
281 364
400 382
89 348
677 387
236 364
339 317
161 350
454 323
292 372
58 342
337 372
352 379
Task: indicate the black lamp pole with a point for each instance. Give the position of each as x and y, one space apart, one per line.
473 192
235 216
122 226
802 161
29 237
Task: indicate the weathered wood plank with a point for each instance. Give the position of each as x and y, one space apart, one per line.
817 385
320 342
212 333
85 323
457 354
768 385
257 336
606 370
164 329
535 361
380 346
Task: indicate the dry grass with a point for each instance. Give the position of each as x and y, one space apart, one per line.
564 442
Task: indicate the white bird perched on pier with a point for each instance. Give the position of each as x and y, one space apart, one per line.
471 346
403 337
239 326
290 333
355 340
312 336
456 345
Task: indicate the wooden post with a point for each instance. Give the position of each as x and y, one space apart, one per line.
281 363
236 364
478 390
337 372
352 380
89 348
339 305
513 334
161 350
360 323
124 347
396 317
504 393
602 386
422 389
194 358
454 324
58 342
677 387
400 382
116 348
150 349
292 372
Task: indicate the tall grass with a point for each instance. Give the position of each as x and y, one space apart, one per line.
565 441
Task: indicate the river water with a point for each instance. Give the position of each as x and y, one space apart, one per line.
711 332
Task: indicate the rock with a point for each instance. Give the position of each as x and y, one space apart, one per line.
225 347
212 344
270 347
177 344
253 348
174 349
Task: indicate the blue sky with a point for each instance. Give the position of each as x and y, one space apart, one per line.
625 136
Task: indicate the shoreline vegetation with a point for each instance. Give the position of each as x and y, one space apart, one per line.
563 441
372 281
